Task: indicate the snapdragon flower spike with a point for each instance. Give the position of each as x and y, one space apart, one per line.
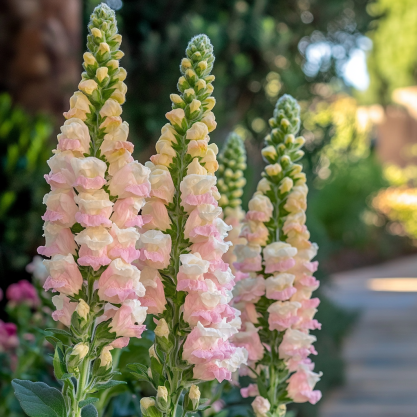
230 182
183 244
275 299
97 190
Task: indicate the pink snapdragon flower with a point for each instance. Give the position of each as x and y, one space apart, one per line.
124 319
131 181
154 297
120 282
155 249
58 240
64 309
301 385
64 275
61 207
249 339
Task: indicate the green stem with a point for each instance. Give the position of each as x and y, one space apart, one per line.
82 382
176 401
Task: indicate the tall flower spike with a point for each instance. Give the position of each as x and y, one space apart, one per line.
183 246
230 179
275 300
97 191
230 182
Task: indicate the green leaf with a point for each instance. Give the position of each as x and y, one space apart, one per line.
59 363
58 331
107 385
87 401
39 400
138 368
89 411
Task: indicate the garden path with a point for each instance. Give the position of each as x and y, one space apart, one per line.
381 352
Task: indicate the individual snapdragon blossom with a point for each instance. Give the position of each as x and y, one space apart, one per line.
275 299
182 244
230 182
97 190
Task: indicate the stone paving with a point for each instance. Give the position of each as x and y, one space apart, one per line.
381 352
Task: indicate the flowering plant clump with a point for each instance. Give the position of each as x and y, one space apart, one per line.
188 284
97 190
230 181
275 297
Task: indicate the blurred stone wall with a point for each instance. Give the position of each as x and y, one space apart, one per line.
40 50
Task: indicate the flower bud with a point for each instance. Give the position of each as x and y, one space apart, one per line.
190 73
286 185
196 168
282 410
102 73
289 140
176 116
162 329
149 372
300 141
285 161
87 86
269 152
202 65
186 63
237 193
183 82
83 309
103 48
285 123
121 74
195 106
209 103
80 350
200 84
117 38
145 403
263 185
176 99
210 88
300 178
273 170
152 353
189 92
223 200
210 121
113 64
96 33
106 358
162 396
194 396
296 169
261 406
214 148
210 78
89 58
118 55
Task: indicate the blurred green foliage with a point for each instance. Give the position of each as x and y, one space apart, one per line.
24 149
260 48
393 59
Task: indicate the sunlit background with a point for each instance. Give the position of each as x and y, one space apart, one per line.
352 64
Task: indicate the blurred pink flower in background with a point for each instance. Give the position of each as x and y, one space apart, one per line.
8 336
23 292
